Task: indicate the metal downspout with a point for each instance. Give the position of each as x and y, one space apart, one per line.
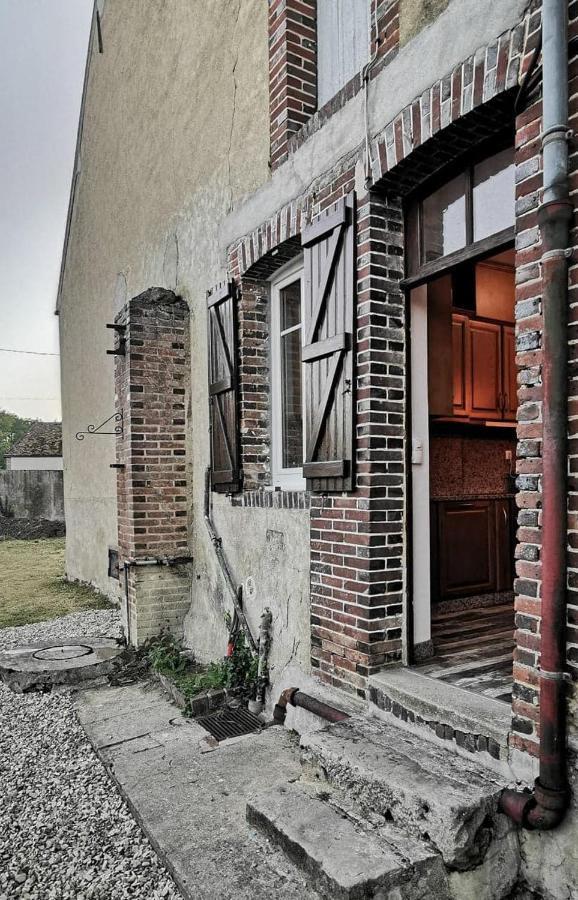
225 570
545 807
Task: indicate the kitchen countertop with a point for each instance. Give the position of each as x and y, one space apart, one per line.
468 498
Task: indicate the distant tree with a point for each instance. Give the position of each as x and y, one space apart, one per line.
12 427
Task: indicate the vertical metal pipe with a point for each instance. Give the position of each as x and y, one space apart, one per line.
554 218
546 806
555 99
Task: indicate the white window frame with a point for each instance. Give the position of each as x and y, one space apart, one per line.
284 478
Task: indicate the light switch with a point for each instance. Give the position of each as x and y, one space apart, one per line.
416 452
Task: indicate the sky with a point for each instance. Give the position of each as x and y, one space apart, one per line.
43 47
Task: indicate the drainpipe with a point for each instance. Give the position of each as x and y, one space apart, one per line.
217 542
296 697
545 807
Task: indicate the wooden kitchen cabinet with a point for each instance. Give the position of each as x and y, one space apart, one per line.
484 369
472 547
484 377
459 336
509 373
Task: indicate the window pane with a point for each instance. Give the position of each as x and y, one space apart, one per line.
292 418
444 220
494 194
291 305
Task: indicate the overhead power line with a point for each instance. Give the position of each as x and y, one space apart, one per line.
27 352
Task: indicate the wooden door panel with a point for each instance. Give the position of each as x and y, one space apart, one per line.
222 340
466 548
460 367
485 369
329 326
509 372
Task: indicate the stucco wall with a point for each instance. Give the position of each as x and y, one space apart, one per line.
37 463
32 494
175 132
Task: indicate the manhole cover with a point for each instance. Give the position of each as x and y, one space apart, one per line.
227 723
63 651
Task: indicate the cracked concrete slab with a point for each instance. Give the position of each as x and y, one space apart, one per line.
192 804
429 793
44 664
344 860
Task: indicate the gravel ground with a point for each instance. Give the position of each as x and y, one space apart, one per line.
65 832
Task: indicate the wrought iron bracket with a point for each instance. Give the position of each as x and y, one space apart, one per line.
96 429
120 349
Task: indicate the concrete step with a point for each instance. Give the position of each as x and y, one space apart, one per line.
429 793
340 858
465 721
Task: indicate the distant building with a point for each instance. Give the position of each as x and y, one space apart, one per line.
39 449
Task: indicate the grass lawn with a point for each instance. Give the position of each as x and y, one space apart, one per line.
32 585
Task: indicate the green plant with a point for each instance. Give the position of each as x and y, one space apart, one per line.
237 673
242 667
164 653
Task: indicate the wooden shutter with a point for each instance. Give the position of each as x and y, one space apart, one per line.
222 334
328 337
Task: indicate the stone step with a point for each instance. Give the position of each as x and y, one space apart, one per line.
429 793
467 722
340 859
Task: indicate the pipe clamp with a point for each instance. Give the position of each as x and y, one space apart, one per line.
555 676
554 133
557 254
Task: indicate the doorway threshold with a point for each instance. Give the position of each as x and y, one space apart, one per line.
469 722
474 650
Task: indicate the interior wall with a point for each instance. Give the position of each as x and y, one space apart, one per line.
470 466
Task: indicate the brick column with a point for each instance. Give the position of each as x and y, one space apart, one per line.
254 380
152 392
292 70
357 540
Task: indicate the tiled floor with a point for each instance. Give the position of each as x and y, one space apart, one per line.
473 649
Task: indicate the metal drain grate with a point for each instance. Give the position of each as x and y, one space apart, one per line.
227 723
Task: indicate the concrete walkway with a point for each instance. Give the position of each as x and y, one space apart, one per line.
190 803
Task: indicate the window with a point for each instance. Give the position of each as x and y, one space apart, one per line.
342 44
444 220
287 379
474 207
493 195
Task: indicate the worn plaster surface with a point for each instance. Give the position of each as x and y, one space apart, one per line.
192 804
170 141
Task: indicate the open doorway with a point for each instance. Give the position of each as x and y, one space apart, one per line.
466 486
464 402
472 450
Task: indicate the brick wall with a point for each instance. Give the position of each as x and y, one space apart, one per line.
529 464
357 540
297 45
254 382
152 387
